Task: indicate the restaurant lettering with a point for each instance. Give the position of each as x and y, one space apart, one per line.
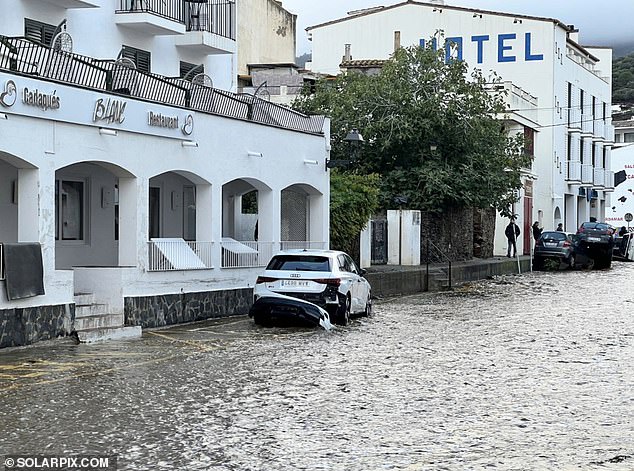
109 110
41 100
162 121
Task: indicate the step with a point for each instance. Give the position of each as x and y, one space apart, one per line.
88 310
101 334
98 321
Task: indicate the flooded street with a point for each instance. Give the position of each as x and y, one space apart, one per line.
516 373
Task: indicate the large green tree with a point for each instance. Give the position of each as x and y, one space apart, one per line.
432 132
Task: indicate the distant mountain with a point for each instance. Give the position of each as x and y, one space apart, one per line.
623 80
620 50
301 60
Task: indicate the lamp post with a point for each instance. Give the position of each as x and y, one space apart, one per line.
354 140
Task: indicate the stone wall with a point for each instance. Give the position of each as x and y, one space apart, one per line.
483 232
450 231
169 309
24 326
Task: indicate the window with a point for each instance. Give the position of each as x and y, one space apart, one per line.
628 137
38 31
186 68
69 210
141 59
529 141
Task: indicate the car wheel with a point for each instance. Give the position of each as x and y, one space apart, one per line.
572 261
343 315
368 306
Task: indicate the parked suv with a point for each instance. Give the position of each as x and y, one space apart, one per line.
554 245
595 242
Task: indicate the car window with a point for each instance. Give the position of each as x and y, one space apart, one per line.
553 235
352 267
343 263
299 263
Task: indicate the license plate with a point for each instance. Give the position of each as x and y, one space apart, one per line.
295 283
594 239
551 244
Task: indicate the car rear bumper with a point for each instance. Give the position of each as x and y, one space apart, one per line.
278 310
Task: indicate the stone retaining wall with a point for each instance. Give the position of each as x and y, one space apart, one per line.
169 309
24 326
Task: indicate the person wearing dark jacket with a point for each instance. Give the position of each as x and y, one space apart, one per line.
536 230
512 232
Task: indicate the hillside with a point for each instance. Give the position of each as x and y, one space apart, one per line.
623 80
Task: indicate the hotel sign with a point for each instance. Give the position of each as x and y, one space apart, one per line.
30 97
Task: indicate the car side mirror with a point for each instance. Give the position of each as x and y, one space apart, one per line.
362 271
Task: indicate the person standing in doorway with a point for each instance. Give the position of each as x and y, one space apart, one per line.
512 232
560 227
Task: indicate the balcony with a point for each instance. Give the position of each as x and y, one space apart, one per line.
74 3
152 17
609 132
23 57
573 171
587 174
210 26
574 119
587 124
609 180
599 130
599 178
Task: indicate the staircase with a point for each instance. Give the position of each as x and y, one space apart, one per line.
93 322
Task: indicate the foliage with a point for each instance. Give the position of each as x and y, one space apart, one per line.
353 200
417 101
623 80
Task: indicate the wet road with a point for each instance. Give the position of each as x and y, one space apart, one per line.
518 373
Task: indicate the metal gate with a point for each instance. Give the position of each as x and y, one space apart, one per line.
294 217
379 242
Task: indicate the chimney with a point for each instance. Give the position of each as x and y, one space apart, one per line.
346 55
397 40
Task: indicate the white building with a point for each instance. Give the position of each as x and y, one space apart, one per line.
621 204
542 58
132 180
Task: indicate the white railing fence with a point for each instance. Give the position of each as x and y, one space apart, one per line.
246 253
178 254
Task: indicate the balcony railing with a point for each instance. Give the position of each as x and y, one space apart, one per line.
169 9
177 254
573 172
25 57
599 178
599 129
214 16
246 254
586 124
609 132
574 118
587 174
609 180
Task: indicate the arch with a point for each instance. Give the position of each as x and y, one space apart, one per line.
18 208
192 177
16 161
242 224
304 187
114 169
557 215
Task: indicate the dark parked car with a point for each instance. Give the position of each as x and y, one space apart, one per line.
554 245
595 243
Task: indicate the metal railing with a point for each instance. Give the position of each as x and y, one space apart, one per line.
599 178
246 254
587 123
174 255
609 180
433 254
573 170
22 56
587 174
301 244
214 16
169 9
1 262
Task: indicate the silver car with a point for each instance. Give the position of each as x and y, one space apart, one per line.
328 278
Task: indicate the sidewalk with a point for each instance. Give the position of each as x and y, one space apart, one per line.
391 280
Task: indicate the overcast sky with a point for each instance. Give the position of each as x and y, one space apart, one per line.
601 23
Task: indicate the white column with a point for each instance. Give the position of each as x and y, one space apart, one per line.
29 198
318 228
204 213
365 253
133 222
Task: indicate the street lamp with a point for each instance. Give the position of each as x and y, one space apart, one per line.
354 140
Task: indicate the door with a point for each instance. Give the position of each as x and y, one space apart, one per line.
189 213
155 213
528 230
